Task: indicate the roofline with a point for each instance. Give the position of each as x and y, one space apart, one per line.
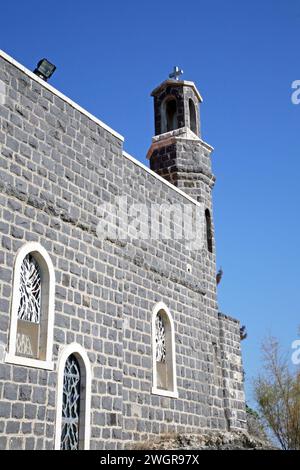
97 121
67 100
160 178
178 83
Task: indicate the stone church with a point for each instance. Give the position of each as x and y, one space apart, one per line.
106 340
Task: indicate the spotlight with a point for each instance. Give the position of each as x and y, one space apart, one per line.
44 69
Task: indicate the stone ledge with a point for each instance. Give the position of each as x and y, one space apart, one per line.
183 134
227 317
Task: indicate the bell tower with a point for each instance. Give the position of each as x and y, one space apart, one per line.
178 152
180 155
176 105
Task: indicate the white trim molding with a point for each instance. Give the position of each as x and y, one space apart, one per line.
164 393
28 362
47 308
85 399
171 391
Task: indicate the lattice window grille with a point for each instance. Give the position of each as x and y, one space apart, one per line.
71 405
30 290
23 345
160 339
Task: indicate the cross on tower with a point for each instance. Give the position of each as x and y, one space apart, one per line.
176 73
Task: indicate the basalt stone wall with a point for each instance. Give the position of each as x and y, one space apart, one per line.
57 166
187 164
154 272
233 372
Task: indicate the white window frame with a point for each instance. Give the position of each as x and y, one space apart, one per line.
85 399
46 264
155 390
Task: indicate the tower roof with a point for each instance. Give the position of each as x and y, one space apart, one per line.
177 83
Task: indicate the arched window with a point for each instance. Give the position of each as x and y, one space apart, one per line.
169 115
32 309
193 117
163 352
73 403
209 237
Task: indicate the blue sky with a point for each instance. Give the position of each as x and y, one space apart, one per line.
243 57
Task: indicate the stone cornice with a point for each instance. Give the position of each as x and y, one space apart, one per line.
183 134
177 83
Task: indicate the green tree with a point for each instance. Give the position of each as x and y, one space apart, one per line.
277 392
